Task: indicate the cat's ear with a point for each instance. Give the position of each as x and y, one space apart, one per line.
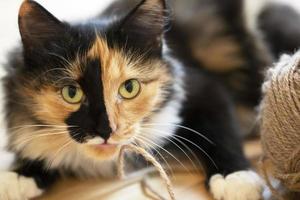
144 25
37 26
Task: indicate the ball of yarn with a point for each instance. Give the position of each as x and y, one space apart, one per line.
280 120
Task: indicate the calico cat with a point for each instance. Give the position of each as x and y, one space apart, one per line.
75 93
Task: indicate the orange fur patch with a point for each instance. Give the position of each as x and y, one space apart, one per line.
49 106
25 8
106 153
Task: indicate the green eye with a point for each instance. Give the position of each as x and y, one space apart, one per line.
72 94
130 89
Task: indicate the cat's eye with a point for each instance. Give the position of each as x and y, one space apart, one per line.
130 89
72 94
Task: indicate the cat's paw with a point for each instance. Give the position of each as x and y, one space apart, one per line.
16 187
242 185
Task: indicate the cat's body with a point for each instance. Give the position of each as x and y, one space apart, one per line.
76 93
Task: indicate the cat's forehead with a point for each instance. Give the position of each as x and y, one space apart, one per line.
98 55
115 62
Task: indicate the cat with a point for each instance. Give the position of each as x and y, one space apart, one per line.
76 93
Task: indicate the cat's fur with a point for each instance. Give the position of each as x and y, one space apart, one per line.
188 80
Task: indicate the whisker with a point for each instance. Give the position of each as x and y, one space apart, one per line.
146 139
160 155
61 80
61 57
197 146
32 137
58 151
191 151
48 71
47 128
39 131
17 131
183 127
42 125
170 140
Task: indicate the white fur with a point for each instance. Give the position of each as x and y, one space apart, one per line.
15 187
169 115
241 185
252 9
84 166
6 159
95 141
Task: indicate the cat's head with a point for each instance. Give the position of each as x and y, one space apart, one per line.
89 86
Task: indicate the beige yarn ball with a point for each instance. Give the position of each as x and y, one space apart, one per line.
280 120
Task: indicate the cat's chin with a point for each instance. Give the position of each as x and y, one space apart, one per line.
102 151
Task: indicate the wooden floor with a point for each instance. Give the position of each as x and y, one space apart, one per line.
187 185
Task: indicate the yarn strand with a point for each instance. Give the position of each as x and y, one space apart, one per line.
150 159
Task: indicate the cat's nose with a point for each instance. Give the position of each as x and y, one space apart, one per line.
102 125
105 135
104 131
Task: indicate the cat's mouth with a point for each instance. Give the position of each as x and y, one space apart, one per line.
106 148
102 149
102 144
106 145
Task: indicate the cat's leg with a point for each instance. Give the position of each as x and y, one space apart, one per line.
240 185
14 186
209 111
29 180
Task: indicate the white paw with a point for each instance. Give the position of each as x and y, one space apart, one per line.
242 185
15 187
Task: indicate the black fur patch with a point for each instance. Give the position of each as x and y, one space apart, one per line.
140 30
209 110
91 118
36 169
